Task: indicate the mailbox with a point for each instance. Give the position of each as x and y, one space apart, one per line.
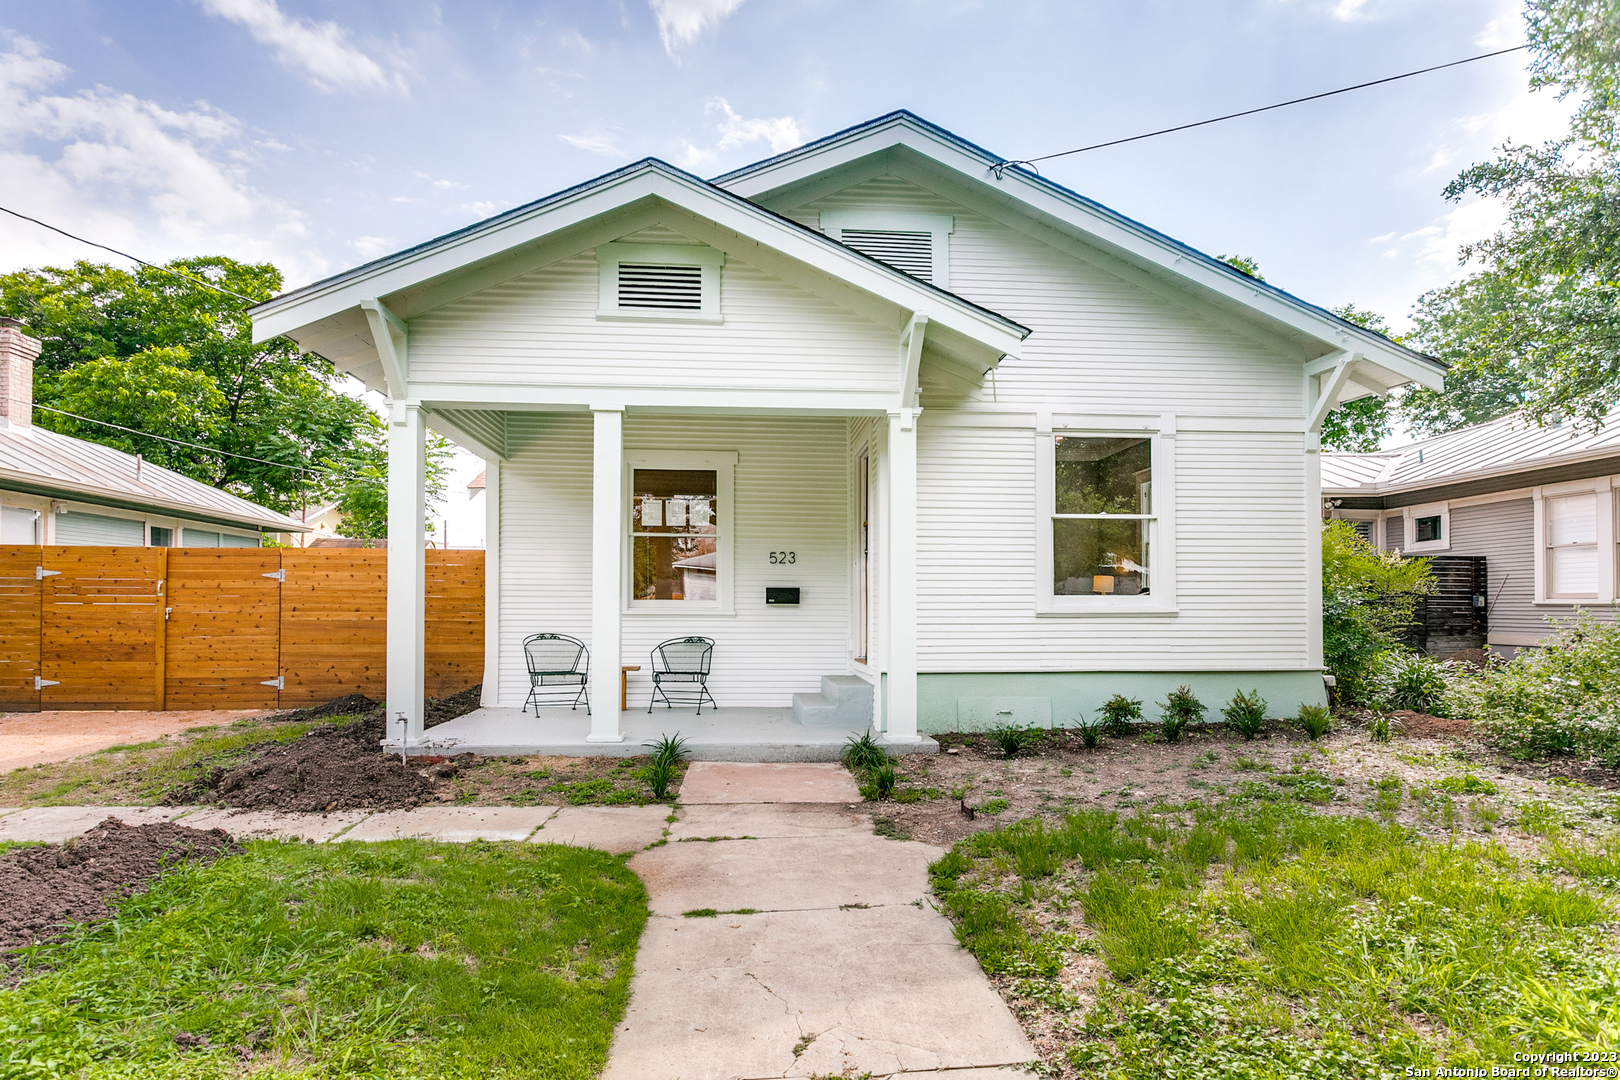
775 595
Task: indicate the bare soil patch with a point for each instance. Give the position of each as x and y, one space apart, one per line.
44 890
33 738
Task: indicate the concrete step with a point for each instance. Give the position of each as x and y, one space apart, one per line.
844 701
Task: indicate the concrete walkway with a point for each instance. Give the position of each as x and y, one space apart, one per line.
824 958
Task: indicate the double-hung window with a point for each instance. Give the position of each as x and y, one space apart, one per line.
1572 547
1104 543
680 518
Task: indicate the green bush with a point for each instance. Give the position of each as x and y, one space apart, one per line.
1012 739
1118 713
1367 600
1561 698
1246 714
1180 708
1314 720
1089 730
668 754
1403 679
862 752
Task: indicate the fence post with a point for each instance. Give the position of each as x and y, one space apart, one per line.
161 638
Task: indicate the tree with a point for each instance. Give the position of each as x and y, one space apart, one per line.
1368 597
363 495
1361 425
154 351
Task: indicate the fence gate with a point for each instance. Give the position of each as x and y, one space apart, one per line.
102 640
19 628
224 628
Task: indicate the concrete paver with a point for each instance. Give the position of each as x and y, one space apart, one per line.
54 824
616 829
759 821
767 782
453 824
269 825
880 990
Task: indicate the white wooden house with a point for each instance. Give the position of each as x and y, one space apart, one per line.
1017 452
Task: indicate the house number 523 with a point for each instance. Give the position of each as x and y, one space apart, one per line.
784 558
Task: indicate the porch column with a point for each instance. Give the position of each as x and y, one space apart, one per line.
407 565
607 542
901 714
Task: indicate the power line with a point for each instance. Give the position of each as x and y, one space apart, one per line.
200 446
1001 166
126 255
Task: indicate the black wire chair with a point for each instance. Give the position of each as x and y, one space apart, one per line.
559 671
680 672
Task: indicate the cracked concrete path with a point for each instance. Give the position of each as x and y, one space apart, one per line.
842 967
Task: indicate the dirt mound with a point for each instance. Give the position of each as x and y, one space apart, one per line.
1417 725
332 767
443 710
347 705
44 888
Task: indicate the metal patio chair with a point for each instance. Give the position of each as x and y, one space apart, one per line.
680 667
559 671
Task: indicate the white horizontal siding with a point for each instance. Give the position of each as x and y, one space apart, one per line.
1241 570
1099 341
541 328
792 492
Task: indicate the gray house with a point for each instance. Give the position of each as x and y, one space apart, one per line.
1535 505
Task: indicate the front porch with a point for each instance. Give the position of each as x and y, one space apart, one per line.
730 734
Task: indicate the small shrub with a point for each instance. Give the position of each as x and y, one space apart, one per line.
1246 714
1011 739
1378 728
881 780
1314 720
1089 730
1118 714
1180 708
1402 679
668 752
862 752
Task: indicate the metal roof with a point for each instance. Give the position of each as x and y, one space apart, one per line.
47 463
1029 175
1502 447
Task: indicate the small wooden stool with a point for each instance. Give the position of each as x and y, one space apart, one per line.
624 685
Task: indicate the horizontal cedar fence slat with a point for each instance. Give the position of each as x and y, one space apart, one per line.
206 628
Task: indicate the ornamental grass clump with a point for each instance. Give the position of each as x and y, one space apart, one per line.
1179 709
1314 720
1246 714
1403 679
1013 739
1089 730
1118 714
668 754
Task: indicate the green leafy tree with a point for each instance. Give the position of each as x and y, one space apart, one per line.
1368 597
1363 424
153 351
363 494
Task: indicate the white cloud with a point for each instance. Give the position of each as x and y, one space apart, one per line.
596 140
779 133
372 247
319 50
479 209
682 22
130 173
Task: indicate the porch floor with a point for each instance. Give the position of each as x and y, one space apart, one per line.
717 735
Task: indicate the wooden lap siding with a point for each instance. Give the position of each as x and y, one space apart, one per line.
97 627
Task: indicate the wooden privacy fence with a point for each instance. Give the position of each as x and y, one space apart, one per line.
220 628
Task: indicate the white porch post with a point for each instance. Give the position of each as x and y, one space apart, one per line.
901 713
407 565
607 542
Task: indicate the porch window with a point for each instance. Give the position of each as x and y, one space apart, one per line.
680 518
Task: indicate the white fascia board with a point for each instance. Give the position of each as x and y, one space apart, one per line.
805 402
1116 232
285 316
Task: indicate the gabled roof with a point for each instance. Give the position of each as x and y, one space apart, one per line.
1501 448
57 466
1059 206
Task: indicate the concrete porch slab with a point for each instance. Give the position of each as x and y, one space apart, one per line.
614 829
453 824
269 825
767 782
54 824
880 991
763 822
718 735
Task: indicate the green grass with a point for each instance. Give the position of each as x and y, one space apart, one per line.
405 958
1260 939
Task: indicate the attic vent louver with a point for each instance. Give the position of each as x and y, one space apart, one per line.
912 252
662 288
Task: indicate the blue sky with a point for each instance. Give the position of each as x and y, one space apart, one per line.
320 133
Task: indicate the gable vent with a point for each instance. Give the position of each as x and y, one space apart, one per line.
664 288
912 252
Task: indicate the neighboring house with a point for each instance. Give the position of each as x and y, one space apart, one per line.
322 522
1538 504
1015 452
55 489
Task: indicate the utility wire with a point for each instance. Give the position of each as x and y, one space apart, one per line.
124 254
1001 166
200 446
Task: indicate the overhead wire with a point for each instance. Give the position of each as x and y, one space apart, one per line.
1002 166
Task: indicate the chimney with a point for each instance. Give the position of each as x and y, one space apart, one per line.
17 354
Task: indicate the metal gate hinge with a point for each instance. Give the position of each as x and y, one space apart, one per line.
40 573
279 575
167 612
40 684
279 682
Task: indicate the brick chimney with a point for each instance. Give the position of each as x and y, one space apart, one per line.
17 354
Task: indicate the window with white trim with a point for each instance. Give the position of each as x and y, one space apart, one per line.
680 529
659 281
1426 528
1572 546
917 244
1104 505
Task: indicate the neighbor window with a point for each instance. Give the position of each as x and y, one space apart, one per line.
1572 555
1102 521
1427 529
161 536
